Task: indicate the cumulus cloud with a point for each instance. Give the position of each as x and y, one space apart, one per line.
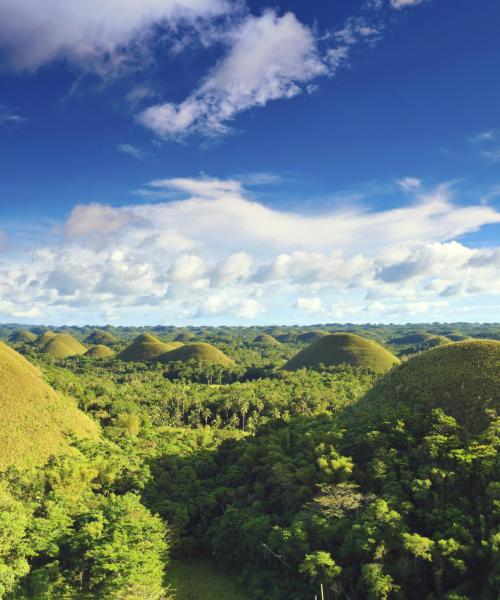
214 251
270 57
105 36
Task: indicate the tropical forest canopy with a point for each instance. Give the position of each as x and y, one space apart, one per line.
265 463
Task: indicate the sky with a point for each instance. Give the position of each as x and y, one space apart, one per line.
249 162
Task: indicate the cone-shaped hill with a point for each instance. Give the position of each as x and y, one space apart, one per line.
184 337
23 336
146 347
198 351
44 337
433 341
34 419
99 336
63 345
311 336
412 338
99 351
343 348
264 339
462 379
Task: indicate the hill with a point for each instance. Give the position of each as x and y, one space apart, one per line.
99 351
341 348
44 337
199 351
23 335
145 348
462 379
63 345
412 338
99 336
184 337
311 336
433 341
33 417
264 339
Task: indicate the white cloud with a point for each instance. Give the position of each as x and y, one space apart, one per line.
9 117
132 150
218 252
409 184
105 36
398 4
483 136
270 57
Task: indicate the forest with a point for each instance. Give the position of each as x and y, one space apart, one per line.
272 463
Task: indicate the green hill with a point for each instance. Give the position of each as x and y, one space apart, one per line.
23 335
99 337
412 338
462 378
341 348
184 337
311 336
44 337
264 339
99 351
33 417
63 345
433 341
199 351
145 348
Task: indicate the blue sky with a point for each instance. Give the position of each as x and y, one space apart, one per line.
215 161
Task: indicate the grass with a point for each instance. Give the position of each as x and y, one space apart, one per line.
412 338
311 336
34 418
44 338
99 351
23 335
185 337
63 345
343 348
264 339
462 379
201 580
199 351
100 337
145 348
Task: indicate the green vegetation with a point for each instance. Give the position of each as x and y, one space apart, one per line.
44 337
265 339
34 418
100 337
99 351
242 479
201 580
145 348
197 351
311 336
462 379
184 337
343 348
23 336
63 345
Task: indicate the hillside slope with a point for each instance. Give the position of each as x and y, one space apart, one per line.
198 351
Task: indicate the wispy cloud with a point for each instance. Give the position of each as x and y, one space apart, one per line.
133 151
483 136
10 117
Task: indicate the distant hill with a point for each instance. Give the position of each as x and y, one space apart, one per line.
23 335
99 351
44 337
99 336
33 417
340 348
412 338
146 347
311 336
462 378
198 351
435 340
63 345
184 337
264 339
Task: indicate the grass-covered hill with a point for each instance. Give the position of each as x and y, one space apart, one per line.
264 339
34 419
63 345
198 351
44 337
100 336
343 348
99 351
311 336
185 337
412 338
146 347
23 336
462 379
